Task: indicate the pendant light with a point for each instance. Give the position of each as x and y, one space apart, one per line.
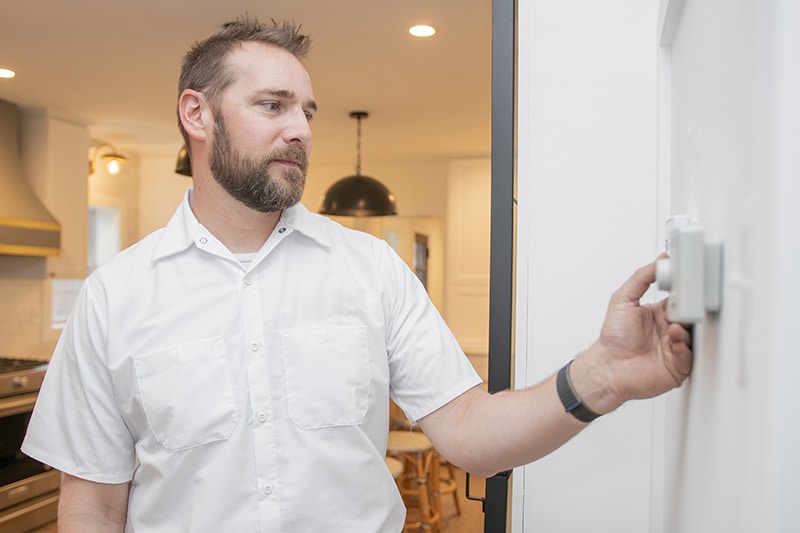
358 196
184 165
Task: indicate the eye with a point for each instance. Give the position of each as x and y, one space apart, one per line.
309 116
271 106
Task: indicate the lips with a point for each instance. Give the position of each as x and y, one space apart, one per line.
287 162
292 156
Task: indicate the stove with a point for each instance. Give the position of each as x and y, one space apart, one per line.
19 376
28 489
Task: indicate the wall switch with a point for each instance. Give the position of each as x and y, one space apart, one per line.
691 273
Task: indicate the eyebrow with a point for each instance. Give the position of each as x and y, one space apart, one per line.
285 93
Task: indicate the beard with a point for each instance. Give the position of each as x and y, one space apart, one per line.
251 181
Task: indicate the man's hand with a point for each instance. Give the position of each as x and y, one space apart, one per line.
639 354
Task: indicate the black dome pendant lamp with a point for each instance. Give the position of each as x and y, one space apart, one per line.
184 164
358 196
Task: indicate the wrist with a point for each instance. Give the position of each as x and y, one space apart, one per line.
570 399
592 381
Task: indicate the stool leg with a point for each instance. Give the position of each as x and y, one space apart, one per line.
430 520
419 485
451 486
436 488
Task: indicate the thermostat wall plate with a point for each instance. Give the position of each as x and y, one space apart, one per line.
691 272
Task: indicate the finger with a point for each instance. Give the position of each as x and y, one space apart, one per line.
680 343
634 288
679 334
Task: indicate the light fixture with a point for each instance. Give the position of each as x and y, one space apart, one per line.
422 30
113 159
7 73
184 164
358 196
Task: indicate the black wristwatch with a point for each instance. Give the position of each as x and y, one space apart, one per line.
569 398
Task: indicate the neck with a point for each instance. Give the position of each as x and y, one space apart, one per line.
240 228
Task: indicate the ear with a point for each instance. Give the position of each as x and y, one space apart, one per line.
194 114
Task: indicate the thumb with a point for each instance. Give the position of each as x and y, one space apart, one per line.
635 286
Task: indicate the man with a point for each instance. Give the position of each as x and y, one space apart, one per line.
232 371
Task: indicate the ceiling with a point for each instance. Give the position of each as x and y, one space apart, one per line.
113 65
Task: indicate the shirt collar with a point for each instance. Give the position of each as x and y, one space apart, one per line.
312 225
182 229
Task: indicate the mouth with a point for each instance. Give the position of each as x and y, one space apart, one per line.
289 163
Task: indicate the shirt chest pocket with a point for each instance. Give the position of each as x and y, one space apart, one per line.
187 394
327 375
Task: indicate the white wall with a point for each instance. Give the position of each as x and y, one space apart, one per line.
723 449
468 246
587 218
161 190
732 460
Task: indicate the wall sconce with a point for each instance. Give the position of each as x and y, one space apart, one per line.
113 159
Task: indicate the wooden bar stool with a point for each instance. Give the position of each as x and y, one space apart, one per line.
395 467
417 452
443 482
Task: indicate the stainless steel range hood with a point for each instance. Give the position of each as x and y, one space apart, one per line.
26 227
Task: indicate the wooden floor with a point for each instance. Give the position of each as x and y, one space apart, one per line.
49 528
471 518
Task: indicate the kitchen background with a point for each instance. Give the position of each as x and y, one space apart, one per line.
99 74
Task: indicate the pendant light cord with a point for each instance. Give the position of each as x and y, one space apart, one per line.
358 115
358 145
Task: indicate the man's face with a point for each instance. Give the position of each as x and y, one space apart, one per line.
261 137
265 183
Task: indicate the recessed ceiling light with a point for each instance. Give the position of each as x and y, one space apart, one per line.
422 30
5 73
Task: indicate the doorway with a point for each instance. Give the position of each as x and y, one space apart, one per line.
503 205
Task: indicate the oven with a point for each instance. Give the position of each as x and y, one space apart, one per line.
28 489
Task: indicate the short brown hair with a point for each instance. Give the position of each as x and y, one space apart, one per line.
204 69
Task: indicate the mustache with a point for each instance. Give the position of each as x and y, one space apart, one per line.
295 154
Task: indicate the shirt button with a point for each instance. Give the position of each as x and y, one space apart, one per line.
281 230
268 489
203 240
248 281
254 346
262 417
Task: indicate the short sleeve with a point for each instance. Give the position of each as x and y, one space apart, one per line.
77 426
428 367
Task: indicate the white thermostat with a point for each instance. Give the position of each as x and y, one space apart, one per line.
691 272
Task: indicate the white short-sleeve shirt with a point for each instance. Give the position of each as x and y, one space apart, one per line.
246 398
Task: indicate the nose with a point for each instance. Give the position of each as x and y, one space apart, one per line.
298 130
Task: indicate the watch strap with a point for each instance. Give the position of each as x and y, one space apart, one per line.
570 399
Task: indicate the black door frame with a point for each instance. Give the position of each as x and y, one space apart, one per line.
501 282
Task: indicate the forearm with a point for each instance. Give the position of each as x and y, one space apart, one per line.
485 434
88 507
512 428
